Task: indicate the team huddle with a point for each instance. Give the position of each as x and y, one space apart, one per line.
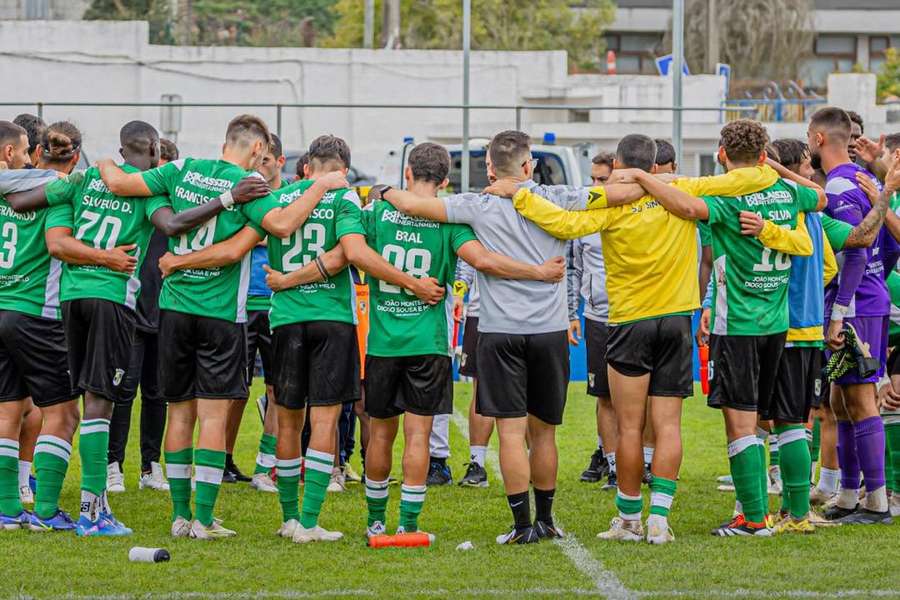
776 309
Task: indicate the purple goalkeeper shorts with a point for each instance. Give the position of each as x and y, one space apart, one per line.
874 332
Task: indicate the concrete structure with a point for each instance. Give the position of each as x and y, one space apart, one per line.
96 62
43 9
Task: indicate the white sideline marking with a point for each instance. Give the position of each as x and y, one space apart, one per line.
604 580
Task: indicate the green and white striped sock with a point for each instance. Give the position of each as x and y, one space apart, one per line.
662 493
288 470
412 499
265 457
93 448
10 504
178 472
318 474
377 500
51 462
630 507
209 466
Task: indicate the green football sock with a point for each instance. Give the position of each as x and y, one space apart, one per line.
10 504
93 448
892 436
318 474
377 500
816 440
265 457
51 462
662 492
288 470
744 458
412 498
630 507
763 473
795 465
209 465
178 472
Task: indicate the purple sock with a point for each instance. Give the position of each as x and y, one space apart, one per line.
847 457
870 448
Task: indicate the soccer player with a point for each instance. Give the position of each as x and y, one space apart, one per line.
312 318
408 364
859 299
99 304
649 346
665 157
203 311
34 126
523 363
601 167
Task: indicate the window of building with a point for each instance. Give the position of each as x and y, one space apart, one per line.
878 46
831 54
635 52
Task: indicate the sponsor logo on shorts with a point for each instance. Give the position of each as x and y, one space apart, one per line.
117 378
462 359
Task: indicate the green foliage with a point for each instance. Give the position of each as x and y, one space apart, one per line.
889 76
156 12
496 25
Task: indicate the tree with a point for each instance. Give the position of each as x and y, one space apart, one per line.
156 12
759 38
889 76
496 25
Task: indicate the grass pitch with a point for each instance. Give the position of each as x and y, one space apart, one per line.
860 562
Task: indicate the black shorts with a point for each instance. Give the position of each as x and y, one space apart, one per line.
596 336
421 385
259 338
201 357
523 375
662 347
468 362
316 364
143 369
743 370
798 386
33 360
99 335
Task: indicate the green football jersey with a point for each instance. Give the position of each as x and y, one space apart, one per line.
893 285
836 231
751 281
218 292
101 219
336 215
29 276
399 323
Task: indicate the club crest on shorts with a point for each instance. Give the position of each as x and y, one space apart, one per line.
117 378
462 359
591 379
818 386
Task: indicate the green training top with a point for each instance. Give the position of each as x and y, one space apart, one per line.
399 323
751 281
101 219
336 215
218 292
29 276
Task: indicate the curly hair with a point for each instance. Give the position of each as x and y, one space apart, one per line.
744 140
61 141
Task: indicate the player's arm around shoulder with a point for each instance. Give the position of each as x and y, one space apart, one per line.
433 209
221 254
499 265
679 203
283 220
555 220
62 245
134 185
782 239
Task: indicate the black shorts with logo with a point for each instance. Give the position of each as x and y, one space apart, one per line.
523 374
468 363
259 338
99 335
596 337
421 385
662 347
798 386
743 370
315 363
201 357
33 360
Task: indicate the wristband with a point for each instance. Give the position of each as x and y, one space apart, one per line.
322 270
227 199
838 312
460 288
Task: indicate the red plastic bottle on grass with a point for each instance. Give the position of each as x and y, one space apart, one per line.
703 351
401 540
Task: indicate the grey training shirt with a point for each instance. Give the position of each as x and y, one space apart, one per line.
517 306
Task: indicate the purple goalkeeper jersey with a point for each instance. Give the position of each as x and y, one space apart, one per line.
860 283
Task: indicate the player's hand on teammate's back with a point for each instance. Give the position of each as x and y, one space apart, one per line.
574 332
375 192
703 329
119 260
250 188
869 150
751 223
167 264
625 176
428 290
503 187
868 186
276 280
333 180
553 270
887 398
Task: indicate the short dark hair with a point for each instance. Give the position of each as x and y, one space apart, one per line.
275 146
855 117
636 151
892 141
168 151
790 151
429 162
244 128
302 162
328 150
10 133
138 136
507 150
665 152
61 142
744 140
835 121
34 127
604 158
